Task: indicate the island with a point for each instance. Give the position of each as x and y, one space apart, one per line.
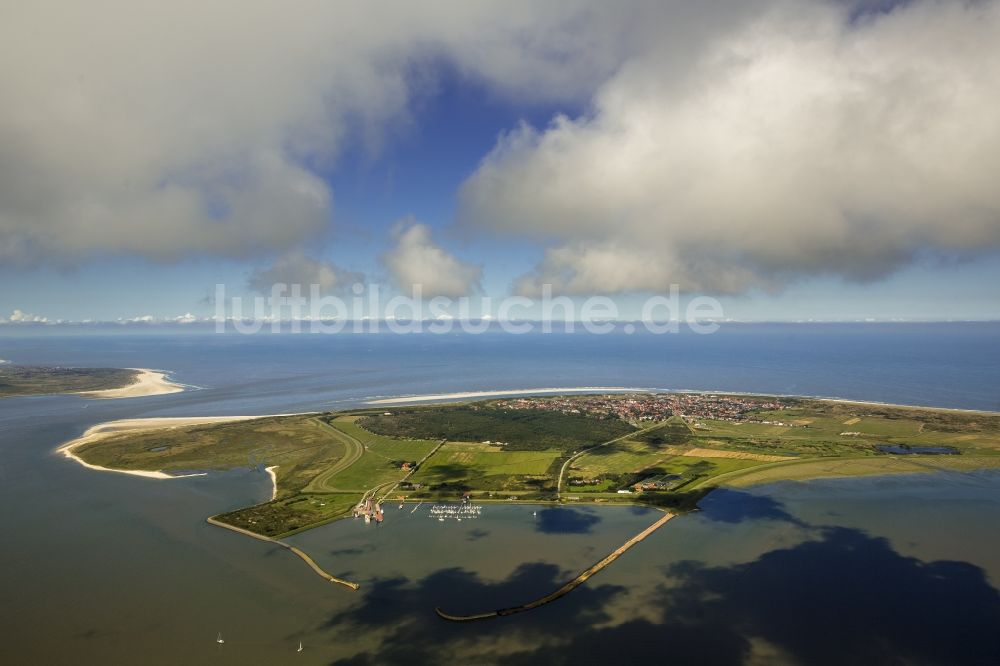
664 450
102 383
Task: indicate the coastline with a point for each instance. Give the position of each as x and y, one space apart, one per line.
511 392
108 428
149 382
441 397
101 430
274 480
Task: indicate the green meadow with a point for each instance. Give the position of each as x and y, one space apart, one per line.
326 463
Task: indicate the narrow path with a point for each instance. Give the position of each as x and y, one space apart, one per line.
562 470
353 450
287 546
565 589
415 468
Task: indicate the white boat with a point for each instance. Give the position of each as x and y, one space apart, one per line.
300 647
219 639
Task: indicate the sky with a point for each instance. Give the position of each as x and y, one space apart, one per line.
826 160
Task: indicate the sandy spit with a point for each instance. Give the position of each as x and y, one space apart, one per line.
103 430
274 480
149 382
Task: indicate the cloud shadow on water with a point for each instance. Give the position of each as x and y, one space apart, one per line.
560 520
845 597
735 506
416 635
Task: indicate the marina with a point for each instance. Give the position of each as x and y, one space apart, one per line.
457 512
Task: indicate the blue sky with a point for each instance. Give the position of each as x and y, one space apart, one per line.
489 168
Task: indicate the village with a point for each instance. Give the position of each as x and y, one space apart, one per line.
653 406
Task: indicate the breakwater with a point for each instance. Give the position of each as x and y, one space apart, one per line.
287 546
565 589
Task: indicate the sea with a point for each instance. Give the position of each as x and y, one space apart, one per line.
104 568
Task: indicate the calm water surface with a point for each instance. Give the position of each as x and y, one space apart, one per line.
107 568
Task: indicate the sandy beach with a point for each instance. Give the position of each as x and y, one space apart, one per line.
149 382
108 428
102 430
513 392
274 480
433 397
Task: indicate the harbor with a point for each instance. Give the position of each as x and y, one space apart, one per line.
456 512
370 509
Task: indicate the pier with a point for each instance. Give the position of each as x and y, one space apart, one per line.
287 546
565 589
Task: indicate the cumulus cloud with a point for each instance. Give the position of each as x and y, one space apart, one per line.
805 141
417 260
176 128
21 317
298 268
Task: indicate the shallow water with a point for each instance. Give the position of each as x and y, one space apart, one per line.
108 568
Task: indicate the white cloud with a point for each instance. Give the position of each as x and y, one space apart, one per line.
417 260
797 144
21 317
177 128
298 268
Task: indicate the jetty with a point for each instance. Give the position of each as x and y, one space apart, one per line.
565 589
287 546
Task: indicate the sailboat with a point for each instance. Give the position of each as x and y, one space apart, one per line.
219 639
300 647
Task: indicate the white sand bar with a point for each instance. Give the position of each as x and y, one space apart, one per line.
274 480
148 382
512 392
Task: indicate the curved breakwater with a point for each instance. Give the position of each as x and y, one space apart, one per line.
300 554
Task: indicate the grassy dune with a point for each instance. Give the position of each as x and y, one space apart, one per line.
18 380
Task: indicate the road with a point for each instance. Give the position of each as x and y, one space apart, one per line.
352 453
562 470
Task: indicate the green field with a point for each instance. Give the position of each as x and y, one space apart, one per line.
327 462
519 430
474 466
375 464
18 380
